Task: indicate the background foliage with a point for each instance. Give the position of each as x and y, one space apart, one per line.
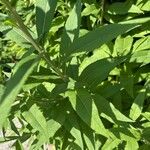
75 74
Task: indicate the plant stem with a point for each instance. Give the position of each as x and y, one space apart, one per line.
24 29
102 11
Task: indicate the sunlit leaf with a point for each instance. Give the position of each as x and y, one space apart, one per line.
108 110
98 71
18 36
72 26
123 46
84 106
137 106
132 144
45 10
127 80
96 38
111 144
24 69
124 8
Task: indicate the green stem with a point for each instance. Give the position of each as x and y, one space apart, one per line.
102 11
24 29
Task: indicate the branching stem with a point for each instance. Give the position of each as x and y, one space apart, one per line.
40 50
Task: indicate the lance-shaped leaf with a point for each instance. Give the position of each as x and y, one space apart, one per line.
141 57
52 127
16 35
71 124
108 110
131 144
23 70
124 8
36 119
137 106
82 103
98 37
127 80
45 10
98 71
72 27
111 144
123 46
136 21
142 44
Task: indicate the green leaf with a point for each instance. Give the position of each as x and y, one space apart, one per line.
111 144
108 90
127 79
52 127
2 89
146 115
90 10
108 110
123 8
45 10
100 53
3 16
132 144
40 140
24 69
137 106
78 138
144 147
72 126
145 5
141 57
141 51
98 71
89 140
18 145
146 134
84 106
72 27
57 23
16 35
36 119
88 135
142 44
123 46
125 134
136 21
98 37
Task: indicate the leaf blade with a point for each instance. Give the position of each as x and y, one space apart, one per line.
24 69
137 106
72 27
98 37
44 14
109 110
96 72
84 106
36 119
